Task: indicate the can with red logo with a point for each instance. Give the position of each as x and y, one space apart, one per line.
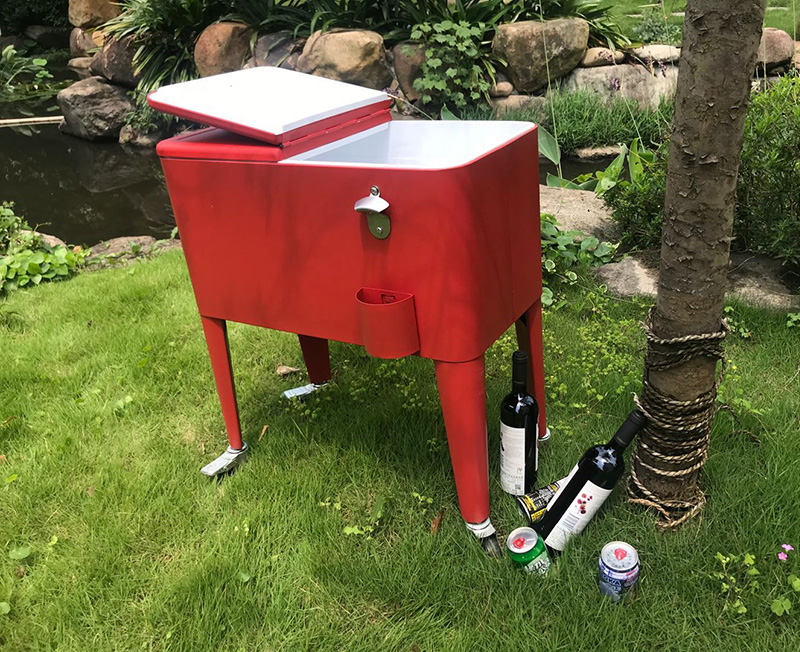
619 569
526 549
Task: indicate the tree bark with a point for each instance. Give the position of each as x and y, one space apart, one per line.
718 57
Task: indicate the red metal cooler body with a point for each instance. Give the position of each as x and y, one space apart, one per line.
460 264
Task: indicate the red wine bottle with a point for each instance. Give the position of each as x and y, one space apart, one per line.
519 441
587 487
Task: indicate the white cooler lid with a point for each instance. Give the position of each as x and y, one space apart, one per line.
271 104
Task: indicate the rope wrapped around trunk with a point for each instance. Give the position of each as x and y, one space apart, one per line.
676 435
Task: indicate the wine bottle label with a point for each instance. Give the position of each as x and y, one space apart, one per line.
577 515
512 459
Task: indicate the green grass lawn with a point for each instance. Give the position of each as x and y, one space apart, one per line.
782 14
108 411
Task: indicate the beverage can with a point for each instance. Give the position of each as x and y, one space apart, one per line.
534 505
619 569
526 549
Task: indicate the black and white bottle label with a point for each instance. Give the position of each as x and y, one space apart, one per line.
584 506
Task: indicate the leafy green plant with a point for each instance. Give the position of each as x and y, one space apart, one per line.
737 325
782 605
565 251
742 584
737 580
23 78
423 502
793 320
454 71
601 181
654 27
26 260
372 523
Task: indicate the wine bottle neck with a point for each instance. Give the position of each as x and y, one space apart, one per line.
628 430
519 372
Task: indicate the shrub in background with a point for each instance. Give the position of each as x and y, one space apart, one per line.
768 194
638 205
304 17
654 27
395 19
767 215
16 15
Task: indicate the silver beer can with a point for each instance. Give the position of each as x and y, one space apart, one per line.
619 569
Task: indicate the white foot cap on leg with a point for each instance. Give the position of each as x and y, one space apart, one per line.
305 390
481 530
226 462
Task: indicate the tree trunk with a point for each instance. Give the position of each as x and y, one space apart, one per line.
720 41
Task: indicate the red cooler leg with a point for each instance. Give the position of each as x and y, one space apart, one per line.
462 392
317 358
529 339
216 332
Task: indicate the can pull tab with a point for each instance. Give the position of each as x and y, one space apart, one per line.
373 206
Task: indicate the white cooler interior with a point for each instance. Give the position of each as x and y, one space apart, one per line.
418 144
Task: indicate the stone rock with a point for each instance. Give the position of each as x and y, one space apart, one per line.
279 49
49 240
80 63
82 42
119 249
595 57
776 49
353 56
501 89
628 80
94 109
129 135
115 62
47 36
629 277
662 53
91 13
755 280
797 55
763 83
17 41
222 47
595 153
502 105
106 169
579 210
758 280
522 45
408 57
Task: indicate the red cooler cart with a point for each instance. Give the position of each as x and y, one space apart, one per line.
406 237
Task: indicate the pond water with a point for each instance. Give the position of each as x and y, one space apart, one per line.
83 192
86 192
